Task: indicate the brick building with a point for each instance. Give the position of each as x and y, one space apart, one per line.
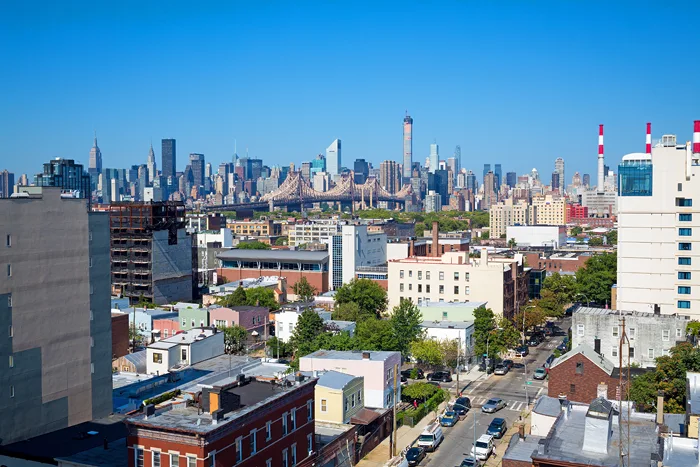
577 374
120 334
247 423
561 262
576 211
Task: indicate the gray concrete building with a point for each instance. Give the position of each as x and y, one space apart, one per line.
55 320
651 335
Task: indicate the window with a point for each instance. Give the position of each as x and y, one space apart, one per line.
12 391
678 333
347 403
90 261
580 330
401 287
410 273
174 460
268 463
323 405
466 276
427 288
614 351
165 333
579 368
184 354
92 368
684 202
194 323
12 361
684 275
191 461
444 315
442 289
685 217
441 275
684 261
456 290
9 270
285 429
309 410
685 232
359 396
401 274
466 290
309 443
572 388
633 333
631 352
420 287
9 241
410 286
680 187
156 458
427 275
139 457
253 442
665 335
157 357
685 246
616 331
239 449
285 458
456 276
650 353
268 431
353 400
294 419
294 454
291 328
420 275
683 290
9 302
684 304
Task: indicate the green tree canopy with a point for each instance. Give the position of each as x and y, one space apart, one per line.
576 231
281 241
237 298
261 296
427 351
350 311
304 290
253 245
234 339
420 391
484 327
308 327
277 348
406 322
369 296
595 241
375 334
596 277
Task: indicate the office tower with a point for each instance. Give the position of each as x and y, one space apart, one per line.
433 202
471 182
461 179
576 180
334 160
407 147
318 164
7 184
390 176
586 180
361 170
54 313
306 170
197 164
487 169
151 164
458 156
95 163
65 174
168 164
559 168
207 170
511 179
498 173
434 157
555 181
489 193
451 164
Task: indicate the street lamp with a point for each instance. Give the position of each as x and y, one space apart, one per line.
584 296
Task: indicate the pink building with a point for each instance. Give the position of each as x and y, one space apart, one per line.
164 328
253 318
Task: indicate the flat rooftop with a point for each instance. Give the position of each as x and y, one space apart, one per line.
522 449
273 255
190 419
430 304
448 324
351 355
585 310
186 337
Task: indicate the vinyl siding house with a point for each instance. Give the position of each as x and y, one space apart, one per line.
184 349
339 397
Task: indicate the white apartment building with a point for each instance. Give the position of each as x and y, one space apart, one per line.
316 231
659 205
286 322
537 235
354 247
454 277
507 213
184 349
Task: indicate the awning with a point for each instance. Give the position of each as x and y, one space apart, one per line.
364 417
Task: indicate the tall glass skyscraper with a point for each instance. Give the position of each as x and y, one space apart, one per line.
407 146
169 158
197 164
334 158
498 172
434 157
66 174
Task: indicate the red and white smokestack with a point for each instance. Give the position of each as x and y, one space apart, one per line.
696 137
601 161
649 138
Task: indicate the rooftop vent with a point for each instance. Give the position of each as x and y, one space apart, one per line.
365 355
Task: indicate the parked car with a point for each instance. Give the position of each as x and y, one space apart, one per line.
415 455
435 383
449 418
442 376
489 370
540 373
493 405
404 379
533 341
508 363
522 351
501 369
409 372
497 428
548 331
564 344
548 362
471 462
483 447
462 405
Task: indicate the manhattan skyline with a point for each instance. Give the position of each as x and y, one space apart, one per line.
516 87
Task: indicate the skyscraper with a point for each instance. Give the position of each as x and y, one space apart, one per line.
487 169
407 147
334 159
95 164
556 181
586 180
361 170
471 181
452 165
168 164
65 174
559 168
489 193
151 164
498 172
458 156
7 184
197 164
511 179
434 157
390 176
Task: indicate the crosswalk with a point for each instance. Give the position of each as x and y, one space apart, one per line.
513 405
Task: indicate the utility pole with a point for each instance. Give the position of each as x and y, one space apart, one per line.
459 343
393 450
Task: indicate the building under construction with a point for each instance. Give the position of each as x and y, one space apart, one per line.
151 252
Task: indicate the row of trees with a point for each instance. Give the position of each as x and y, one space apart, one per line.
255 296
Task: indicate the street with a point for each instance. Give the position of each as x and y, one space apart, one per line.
512 388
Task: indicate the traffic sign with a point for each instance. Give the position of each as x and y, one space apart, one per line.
529 382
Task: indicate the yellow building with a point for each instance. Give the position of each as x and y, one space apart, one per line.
507 213
338 397
548 210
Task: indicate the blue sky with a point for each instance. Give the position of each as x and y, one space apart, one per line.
516 83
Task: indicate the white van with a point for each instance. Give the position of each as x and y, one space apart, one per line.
483 447
431 437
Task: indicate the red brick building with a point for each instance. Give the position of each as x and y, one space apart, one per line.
120 334
577 374
575 211
246 423
567 262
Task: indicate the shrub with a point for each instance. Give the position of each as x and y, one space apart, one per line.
162 398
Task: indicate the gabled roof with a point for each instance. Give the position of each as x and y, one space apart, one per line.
586 350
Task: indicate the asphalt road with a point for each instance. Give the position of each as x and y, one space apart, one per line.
511 387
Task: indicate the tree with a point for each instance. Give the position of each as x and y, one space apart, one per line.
134 335
369 296
507 336
596 277
533 317
375 334
237 298
406 322
234 339
335 341
351 311
449 349
261 296
611 237
427 351
418 391
253 245
303 290
595 241
308 327
281 241
512 243
277 348
576 231
484 327
693 328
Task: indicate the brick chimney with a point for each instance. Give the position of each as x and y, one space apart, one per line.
436 241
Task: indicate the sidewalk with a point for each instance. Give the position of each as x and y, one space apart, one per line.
406 435
496 458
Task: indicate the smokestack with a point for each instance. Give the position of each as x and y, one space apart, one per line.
660 408
649 138
696 137
436 237
601 161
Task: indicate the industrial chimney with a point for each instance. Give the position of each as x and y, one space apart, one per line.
696 137
648 148
601 161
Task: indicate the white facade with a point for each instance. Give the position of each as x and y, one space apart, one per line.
433 202
360 248
222 236
313 231
334 158
600 204
286 321
434 157
537 235
461 331
658 259
185 349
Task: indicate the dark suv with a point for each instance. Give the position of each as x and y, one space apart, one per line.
442 376
407 373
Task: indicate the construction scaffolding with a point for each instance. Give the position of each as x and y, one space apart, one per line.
131 244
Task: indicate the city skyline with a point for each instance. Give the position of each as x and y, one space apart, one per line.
207 107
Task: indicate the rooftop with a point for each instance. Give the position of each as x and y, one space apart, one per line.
273 255
549 406
335 380
585 310
588 352
448 324
264 281
429 304
521 449
352 355
187 337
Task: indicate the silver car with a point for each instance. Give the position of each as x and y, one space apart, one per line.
493 405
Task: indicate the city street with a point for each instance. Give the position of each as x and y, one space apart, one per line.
511 387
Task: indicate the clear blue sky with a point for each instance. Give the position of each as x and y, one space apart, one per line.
519 83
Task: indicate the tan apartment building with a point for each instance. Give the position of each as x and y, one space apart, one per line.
339 397
259 228
507 213
548 210
454 277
